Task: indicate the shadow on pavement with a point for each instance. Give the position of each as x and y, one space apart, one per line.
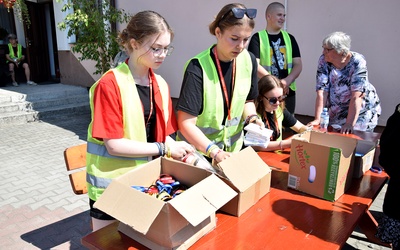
71 230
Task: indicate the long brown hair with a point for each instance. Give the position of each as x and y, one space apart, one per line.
266 84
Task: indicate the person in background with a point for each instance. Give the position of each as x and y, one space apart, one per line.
219 87
16 59
278 53
131 110
343 87
389 225
119 58
270 107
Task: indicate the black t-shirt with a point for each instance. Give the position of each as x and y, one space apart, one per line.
279 62
191 96
288 121
144 94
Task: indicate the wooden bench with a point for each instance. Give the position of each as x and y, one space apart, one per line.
75 161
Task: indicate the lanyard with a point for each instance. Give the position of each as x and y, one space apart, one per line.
277 132
151 100
222 80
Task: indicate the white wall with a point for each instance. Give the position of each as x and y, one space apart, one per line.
373 26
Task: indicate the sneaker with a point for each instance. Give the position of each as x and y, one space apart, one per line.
31 83
15 84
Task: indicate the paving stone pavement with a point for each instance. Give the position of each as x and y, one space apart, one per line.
38 209
37 205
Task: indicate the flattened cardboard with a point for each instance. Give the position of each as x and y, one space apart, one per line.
321 164
157 220
364 157
249 176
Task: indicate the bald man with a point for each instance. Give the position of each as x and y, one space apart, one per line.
278 52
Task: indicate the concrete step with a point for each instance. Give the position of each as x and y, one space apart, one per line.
55 102
14 106
17 118
65 110
24 104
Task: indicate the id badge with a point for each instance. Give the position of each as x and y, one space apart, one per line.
228 142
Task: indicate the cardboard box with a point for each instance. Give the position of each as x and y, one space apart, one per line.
364 157
172 224
249 176
321 164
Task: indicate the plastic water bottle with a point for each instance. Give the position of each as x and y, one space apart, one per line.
324 122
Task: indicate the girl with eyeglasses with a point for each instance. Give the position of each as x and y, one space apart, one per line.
132 112
219 87
270 107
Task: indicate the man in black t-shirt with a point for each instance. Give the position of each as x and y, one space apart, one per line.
16 59
273 47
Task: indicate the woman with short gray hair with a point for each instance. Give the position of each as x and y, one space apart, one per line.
343 87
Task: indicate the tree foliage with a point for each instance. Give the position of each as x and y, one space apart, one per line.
21 12
91 22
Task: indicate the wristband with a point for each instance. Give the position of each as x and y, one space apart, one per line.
209 145
211 149
280 144
376 169
168 150
160 152
215 156
250 119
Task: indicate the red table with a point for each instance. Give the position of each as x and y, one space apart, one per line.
283 219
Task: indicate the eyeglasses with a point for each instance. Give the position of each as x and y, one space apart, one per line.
239 13
274 100
328 50
159 51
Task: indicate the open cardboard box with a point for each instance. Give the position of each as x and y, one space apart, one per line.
249 176
174 224
364 157
321 164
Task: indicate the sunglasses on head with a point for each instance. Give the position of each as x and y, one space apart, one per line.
274 100
239 13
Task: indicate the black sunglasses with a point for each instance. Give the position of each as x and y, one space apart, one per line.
239 13
274 100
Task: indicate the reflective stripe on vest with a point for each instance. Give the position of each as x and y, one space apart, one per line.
211 119
265 52
101 150
103 167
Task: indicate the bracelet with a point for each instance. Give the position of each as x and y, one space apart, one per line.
250 119
280 144
211 149
162 148
215 156
168 150
160 152
209 145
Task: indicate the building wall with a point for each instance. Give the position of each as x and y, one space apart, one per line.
371 24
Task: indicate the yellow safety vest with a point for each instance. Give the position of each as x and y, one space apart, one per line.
265 53
102 167
11 51
228 136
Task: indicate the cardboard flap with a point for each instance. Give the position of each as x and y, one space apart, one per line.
244 168
363 147
129 205
200 201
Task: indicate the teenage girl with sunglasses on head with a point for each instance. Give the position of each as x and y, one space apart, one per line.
219 87
270 107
